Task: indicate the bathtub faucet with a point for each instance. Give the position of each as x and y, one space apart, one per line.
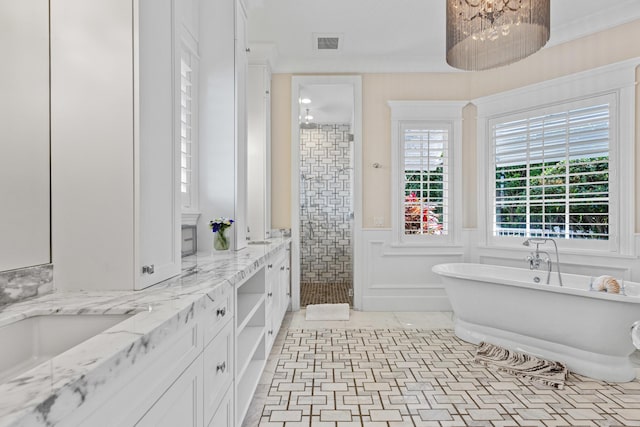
535 259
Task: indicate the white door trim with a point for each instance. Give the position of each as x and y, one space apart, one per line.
296 82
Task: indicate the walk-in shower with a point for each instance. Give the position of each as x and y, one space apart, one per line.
326 213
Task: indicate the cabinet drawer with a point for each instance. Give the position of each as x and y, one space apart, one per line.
218 369
220 314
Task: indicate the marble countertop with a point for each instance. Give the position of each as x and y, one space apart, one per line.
52 390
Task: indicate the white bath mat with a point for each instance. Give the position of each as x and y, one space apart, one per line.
327 312
522 365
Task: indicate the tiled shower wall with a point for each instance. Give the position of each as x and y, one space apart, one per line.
326 186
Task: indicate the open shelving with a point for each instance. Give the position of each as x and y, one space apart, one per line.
246 386
250 338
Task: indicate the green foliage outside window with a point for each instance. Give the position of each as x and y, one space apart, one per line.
540 192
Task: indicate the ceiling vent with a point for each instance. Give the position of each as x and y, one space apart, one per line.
327 42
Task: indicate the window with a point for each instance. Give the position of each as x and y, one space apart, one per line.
425 153
551 169
426 158
556 159
188 140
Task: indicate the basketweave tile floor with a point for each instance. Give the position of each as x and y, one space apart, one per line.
409 369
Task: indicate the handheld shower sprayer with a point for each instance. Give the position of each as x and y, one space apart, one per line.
540 240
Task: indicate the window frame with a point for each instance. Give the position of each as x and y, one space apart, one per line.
616 82
431 114
608 98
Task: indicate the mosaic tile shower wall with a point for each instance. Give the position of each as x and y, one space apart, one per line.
326 182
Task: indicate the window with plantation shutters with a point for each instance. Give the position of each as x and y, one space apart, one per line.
426 160
552 169
425 180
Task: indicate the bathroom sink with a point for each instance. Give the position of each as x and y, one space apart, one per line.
259 242
33 340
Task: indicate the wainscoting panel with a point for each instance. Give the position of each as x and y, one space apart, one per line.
400 278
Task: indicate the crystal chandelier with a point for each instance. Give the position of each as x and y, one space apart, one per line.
483 34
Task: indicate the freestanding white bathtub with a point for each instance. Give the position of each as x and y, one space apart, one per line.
587 330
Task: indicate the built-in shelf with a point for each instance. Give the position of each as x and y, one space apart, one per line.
250 346
248 342
248 304
246 386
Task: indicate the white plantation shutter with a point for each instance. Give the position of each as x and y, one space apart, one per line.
426 164
552 171
186 130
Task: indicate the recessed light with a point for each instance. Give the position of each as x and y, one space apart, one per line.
305 101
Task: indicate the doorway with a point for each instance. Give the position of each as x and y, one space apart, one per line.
326 135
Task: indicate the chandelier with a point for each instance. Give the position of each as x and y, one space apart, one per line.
483 34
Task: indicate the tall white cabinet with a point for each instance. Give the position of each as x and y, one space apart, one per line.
259 150
115 186
24 140
241 175
223 119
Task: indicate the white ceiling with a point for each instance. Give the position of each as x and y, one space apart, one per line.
394 35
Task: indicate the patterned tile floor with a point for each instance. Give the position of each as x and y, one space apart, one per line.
418 377
324 293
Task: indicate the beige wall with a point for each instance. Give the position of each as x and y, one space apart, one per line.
281 151
603 48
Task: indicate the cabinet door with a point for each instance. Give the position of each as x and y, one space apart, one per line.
218 369
91 144
285 282
24 120
224 415
158 207
241 67
259 162
180 405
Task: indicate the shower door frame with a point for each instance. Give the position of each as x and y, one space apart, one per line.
296 82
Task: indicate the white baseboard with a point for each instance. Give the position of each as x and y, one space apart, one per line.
406 303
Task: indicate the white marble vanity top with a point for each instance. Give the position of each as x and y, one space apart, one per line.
52 390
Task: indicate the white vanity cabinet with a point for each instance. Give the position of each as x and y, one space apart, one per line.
184 380
179 405
278 292
151 384
115 162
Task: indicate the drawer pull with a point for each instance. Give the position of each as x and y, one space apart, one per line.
282 268
221 367
271 332
270 265
221 312
270 294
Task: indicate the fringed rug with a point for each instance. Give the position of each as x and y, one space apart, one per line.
522 365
